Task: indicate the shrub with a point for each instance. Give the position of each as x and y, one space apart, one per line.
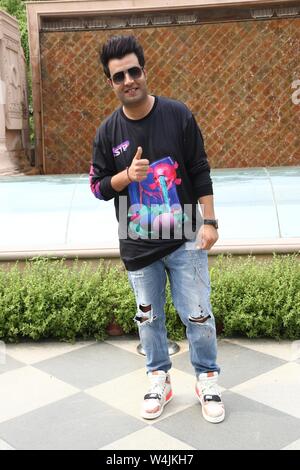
47 299
257 298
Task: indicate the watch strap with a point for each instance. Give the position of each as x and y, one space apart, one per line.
213 222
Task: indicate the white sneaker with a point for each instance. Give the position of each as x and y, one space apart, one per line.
159 394
210 397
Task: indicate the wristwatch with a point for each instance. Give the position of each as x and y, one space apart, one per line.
213 222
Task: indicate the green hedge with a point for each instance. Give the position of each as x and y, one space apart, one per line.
258 298
47 299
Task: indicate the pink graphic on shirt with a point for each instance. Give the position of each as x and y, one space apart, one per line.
95 186
120 148
155 204
168 172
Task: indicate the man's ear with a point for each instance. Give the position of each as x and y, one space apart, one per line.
145 72
109 81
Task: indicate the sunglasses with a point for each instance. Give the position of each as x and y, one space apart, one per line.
133 72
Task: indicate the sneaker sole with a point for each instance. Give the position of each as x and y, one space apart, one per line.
158 413
217 419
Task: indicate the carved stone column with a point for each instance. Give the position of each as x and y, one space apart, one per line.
3 148
14 135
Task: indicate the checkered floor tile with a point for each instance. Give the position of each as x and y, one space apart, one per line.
87 396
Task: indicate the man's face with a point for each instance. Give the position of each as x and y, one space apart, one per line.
131 91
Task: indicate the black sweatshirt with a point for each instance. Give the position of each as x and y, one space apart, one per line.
154 213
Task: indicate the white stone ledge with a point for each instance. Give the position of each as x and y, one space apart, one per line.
235 247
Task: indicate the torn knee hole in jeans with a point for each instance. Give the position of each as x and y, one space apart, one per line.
201 319
145 314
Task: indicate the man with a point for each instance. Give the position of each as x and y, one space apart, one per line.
150 153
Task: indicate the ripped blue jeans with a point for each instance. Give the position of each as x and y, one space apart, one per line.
187 270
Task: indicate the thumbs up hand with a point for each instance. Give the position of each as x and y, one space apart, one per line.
139 167
138 154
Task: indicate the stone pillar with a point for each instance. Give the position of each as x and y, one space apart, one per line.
14 126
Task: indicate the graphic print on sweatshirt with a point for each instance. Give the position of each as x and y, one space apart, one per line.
121 148
155 210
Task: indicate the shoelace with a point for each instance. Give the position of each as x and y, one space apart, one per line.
157 385
209 387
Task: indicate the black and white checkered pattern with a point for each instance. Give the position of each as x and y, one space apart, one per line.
87 396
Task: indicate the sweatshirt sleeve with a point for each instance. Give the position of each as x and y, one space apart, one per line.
102 168
196 159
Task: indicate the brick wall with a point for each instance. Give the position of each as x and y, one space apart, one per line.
236 77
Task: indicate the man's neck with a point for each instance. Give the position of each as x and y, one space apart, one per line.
140 110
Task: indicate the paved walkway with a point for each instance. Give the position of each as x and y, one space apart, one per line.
87 396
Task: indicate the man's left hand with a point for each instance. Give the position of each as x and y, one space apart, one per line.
207 237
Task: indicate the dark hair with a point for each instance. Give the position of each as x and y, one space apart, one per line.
117 47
